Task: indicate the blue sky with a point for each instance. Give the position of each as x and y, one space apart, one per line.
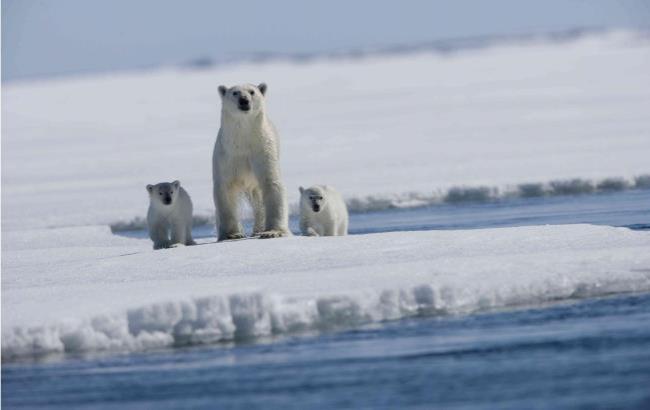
42 38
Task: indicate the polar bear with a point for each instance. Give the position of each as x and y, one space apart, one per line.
245 161
322 212
170 215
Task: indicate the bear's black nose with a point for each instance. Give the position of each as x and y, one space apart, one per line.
316 208
244 104
167 200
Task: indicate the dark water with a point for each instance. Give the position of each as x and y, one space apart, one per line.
578 354
591 354
629 208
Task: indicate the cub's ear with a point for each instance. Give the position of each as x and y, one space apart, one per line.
150 188
262 87
176 184
222 90
301 189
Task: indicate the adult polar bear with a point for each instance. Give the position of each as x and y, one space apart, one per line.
245 162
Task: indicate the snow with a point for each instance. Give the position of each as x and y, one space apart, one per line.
77 154
382 126
83 289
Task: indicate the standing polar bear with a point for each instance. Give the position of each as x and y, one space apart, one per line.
245 162
322 212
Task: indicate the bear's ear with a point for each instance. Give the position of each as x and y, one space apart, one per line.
262 88
176 184
150 188
301 189
222 90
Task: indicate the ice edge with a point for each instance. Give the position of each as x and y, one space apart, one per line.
251 315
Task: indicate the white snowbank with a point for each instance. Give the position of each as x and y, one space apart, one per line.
97 291
80 151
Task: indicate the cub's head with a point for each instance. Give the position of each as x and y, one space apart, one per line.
313 198
164 193
243 100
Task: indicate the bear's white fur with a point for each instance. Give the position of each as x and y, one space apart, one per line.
245 162
170 215
322 212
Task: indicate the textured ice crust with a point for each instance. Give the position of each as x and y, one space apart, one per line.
454 195
469 194
245 316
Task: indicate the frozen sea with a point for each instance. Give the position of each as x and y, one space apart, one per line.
575 353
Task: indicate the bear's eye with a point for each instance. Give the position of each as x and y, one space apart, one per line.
235 93
159 193
252 92
171 192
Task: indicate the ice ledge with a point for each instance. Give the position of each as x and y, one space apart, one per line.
246 316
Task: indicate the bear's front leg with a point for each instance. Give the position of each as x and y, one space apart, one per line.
257 203
189 241
178 234
305 229
329 230
159 234
311 232
343 228
275 207
228 226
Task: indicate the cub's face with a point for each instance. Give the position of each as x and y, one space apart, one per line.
313 198
164 193
242 100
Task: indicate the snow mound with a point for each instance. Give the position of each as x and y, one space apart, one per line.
248 289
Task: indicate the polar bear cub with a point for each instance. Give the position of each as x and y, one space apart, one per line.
170 215
322 212
246 163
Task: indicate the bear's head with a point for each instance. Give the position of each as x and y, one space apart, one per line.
243 100
313 198
164 193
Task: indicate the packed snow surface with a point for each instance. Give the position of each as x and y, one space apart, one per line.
77 154
81 289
